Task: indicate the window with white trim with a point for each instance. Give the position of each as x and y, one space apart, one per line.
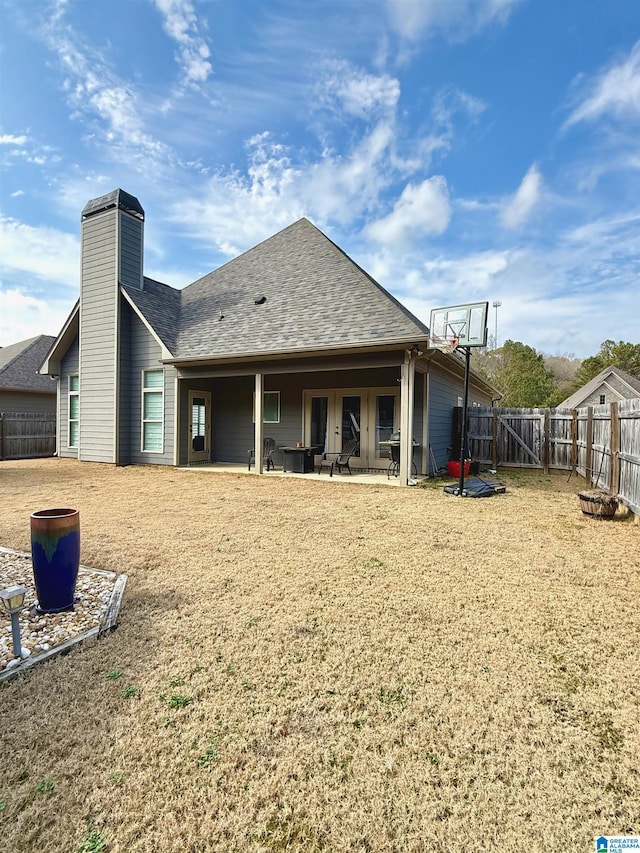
152 410
74 410
602 399
270 407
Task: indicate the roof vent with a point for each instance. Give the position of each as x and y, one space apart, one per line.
259 300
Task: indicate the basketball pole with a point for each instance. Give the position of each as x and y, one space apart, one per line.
465 403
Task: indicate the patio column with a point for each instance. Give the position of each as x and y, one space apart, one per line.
407 377
258 415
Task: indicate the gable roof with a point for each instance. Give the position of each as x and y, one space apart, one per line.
160 305
295 291
19 364
631 383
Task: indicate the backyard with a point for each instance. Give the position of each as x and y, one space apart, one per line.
321 666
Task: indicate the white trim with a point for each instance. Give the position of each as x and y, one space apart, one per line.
71 393
263 406
199 455
143 421
166 355
258 400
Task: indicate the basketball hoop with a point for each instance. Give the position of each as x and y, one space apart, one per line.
444 344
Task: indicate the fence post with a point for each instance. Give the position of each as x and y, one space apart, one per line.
494 442
589 448
546 448
614 481
2 447
574 440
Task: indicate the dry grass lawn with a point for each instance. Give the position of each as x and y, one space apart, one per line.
314 666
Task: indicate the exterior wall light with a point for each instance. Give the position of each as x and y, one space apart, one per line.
12 602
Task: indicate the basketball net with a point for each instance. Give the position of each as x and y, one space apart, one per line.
443 344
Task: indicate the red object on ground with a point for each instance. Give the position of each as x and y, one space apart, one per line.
453 468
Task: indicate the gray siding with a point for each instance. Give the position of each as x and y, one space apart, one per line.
98 337
68 367
131 250
613 391
27 401
444 391
111 246
125 445
140 351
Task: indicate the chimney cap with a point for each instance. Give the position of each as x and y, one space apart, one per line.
117 198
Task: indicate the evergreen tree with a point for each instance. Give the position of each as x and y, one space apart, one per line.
520 373
621 354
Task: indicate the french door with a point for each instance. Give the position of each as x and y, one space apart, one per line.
199 426
334 417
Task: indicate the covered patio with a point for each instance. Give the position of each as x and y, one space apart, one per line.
371 478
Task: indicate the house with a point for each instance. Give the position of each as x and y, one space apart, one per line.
22 387
291 340
609 386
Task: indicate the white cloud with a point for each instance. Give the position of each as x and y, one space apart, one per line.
22 315
95 92
9 139
615 92
235 210
356 92
180 22
46 253
422 209
458 19
519 207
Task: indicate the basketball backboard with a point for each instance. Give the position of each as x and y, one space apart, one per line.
466 324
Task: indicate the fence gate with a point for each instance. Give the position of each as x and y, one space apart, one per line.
522 438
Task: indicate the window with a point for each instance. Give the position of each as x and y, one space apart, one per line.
602 399
74 410
270 407
152 410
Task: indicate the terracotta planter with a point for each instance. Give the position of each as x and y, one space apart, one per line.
55 554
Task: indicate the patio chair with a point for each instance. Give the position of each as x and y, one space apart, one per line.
268 448
339 460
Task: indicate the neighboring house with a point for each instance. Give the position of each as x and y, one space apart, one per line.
609 386
291 340
22 387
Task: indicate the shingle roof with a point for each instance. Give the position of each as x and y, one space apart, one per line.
581 394
160 304
20 362
295 291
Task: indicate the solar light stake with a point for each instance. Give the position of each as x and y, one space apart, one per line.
12 601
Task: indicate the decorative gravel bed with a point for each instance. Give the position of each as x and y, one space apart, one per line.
41 632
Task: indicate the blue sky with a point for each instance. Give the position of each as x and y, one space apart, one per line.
458 150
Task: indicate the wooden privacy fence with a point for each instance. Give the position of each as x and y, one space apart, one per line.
26 435
602 443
